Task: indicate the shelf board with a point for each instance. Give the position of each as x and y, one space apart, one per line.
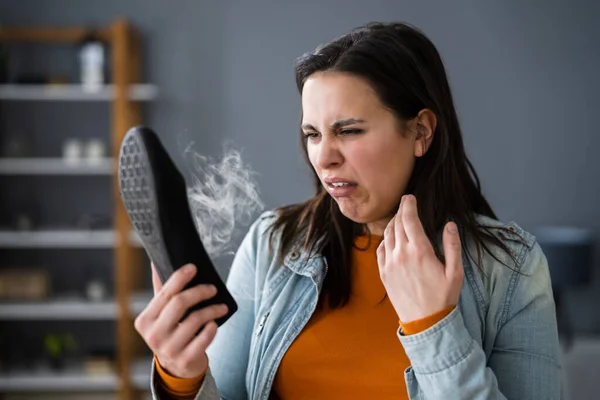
59 309
55 166
73 379
71 92
70 308
67 239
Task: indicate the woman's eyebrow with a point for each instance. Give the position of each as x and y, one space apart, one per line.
345 122
336 125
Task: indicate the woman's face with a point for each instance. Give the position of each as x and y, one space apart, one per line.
356 148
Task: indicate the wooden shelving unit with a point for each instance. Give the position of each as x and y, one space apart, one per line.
124 93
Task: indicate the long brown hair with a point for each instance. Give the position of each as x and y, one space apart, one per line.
406 71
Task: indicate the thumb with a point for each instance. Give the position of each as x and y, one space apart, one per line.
452 251
156 283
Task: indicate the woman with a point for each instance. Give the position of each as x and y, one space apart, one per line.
394 281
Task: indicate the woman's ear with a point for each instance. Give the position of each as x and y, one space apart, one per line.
424 124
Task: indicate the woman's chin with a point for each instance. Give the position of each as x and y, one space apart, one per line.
352 212
361 215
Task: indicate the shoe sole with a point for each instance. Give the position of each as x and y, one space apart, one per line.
141 158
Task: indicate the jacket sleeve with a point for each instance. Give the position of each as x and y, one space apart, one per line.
447 363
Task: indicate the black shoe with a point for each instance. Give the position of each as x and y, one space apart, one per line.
154 193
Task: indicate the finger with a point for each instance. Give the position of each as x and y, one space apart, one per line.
399 225
187 330
179 304
201 342
389 240
452 252
156 282
381 254
175 284
410 219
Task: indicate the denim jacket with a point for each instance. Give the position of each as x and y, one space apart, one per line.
500 342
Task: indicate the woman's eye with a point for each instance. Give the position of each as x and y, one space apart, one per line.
351 131
311 135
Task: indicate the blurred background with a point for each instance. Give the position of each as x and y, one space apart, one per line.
75 75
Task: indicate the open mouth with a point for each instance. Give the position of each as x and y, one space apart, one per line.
340 189
341 184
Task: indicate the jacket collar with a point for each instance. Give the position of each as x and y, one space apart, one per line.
300 262
304 263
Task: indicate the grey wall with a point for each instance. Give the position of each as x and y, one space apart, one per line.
524 77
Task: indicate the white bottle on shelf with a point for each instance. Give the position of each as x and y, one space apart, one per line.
92 62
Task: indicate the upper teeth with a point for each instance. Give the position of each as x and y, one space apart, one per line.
340 184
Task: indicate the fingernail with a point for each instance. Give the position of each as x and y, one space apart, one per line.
189 269
211 290
223 308
452 228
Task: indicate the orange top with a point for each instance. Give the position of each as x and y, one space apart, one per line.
177 388
352 352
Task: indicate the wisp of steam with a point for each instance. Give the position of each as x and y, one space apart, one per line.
223 198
